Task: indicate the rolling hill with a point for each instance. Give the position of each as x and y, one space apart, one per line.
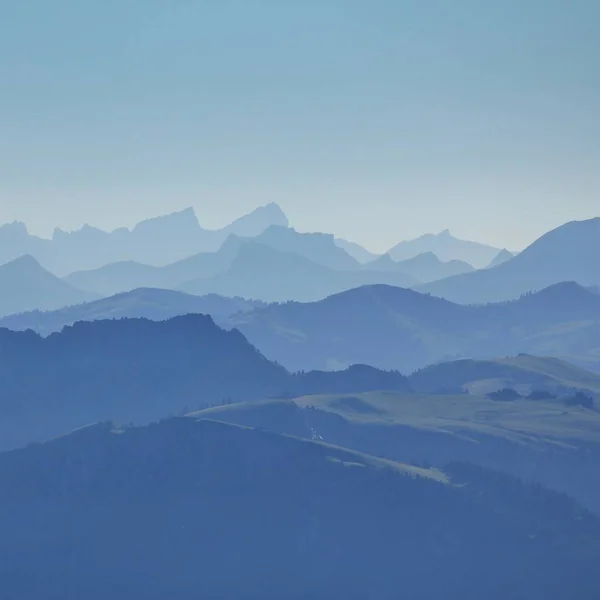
395 328
167 510
147 303
542 441
567 253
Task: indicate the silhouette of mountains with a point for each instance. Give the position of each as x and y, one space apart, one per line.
140 370
157 241
170 509
446 247
26 286
567 253
147 303
394 328
125 276
263 273
424 267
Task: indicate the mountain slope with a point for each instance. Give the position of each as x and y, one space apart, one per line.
547 442
170 509
525 373
140 370
568 253
395 328
356 251
147 303
264 273
27 286
446 247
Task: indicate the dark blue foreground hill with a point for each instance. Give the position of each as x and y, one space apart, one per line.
139 370
187 510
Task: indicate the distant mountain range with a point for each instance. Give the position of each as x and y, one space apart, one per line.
192 509
395 328
158 241
568 253
278 265
140 370
263 273
446 247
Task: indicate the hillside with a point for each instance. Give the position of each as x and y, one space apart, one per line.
524 373
27 286
139 370
168 509
146 303
567 253
396 328
546 442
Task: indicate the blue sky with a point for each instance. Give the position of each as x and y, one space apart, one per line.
378 120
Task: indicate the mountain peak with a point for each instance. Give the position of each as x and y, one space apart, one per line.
26 262
257 221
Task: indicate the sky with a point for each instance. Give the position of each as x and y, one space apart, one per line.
377 120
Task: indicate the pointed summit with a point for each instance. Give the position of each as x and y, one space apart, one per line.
259 220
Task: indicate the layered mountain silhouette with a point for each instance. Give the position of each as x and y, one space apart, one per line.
147 303
567 253
263 273
157 241
27 286
446 247
140 370
396 328
169 510
124 276
424 267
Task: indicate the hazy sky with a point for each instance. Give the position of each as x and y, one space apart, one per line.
377 120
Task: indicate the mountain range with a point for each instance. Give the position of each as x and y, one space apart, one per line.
394 328
157 241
